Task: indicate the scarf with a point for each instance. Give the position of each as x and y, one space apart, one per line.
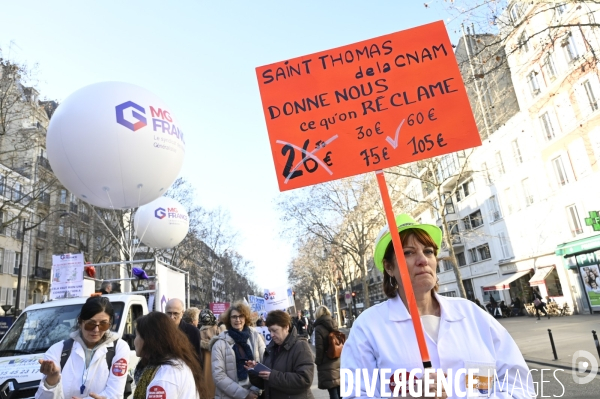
143 376
242 350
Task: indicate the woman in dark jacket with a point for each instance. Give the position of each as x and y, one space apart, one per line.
328 369
290 359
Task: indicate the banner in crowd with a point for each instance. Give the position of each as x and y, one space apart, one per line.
169 285
218 308
5 323
265 332
67 276
257 305
278 299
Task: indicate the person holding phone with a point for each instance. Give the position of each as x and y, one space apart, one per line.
85 373
289 360
231 349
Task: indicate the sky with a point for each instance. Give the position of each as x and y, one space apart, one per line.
200 57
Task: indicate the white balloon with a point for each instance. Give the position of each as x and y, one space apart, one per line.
115 145
161 224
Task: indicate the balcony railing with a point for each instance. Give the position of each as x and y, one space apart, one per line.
73 241
73 207
42 234
44 162
42 273
85 218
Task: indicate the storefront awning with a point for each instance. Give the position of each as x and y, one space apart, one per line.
540 275
504 282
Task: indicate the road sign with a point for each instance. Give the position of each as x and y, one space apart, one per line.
348 298
366 106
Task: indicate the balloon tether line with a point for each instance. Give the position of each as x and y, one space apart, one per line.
403 269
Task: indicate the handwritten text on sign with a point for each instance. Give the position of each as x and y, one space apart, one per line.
371 105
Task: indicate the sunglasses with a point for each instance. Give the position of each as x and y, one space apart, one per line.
91 325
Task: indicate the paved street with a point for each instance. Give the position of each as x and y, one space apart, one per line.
570 333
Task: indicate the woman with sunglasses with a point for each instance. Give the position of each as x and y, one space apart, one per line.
85 373
231 349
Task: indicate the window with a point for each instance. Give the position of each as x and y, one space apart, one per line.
483 252
516 152
473 221
472 255
500 164
494 208
2 184
574 222
549 67
559 171
532 81
590 95
61 228
460 259
42 229
465 189
547 126
568 44
527 192
504 245
449 293
523 44
63 196
561 8
486 173
2 227
515 12
449 205
16 264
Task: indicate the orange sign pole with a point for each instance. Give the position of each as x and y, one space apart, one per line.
406 283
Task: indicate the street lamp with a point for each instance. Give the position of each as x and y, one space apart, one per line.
20 273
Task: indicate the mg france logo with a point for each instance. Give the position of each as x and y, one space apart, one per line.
160 213
141 120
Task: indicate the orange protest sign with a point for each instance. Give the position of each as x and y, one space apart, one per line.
366 106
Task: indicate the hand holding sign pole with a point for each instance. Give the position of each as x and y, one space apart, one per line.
364 107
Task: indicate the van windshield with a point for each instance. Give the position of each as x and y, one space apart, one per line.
37 330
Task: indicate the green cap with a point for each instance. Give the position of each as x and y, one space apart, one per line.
404 222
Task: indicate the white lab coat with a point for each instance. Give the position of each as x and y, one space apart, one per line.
173 382
100 380
383 337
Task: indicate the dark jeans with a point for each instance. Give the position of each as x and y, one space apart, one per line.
334 393
542 308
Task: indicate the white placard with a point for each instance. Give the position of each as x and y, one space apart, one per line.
67 276
277 299
169 284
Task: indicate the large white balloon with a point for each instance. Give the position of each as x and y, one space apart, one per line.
115 145
161 224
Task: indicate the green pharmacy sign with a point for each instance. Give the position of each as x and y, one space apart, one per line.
593 220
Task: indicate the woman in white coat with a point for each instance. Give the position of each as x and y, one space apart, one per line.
229 352
168 367
459 335
86 372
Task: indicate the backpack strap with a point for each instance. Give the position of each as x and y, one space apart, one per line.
66 352
110 354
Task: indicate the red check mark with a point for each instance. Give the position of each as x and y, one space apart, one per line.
394 142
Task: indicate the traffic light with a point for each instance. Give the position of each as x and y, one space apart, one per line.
354 297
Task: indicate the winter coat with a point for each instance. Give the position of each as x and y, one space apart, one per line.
328 369
292 369
206 334
224 369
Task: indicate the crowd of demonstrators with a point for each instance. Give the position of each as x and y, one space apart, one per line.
168 366
289 358
231 350
457 332
328 370
86 372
